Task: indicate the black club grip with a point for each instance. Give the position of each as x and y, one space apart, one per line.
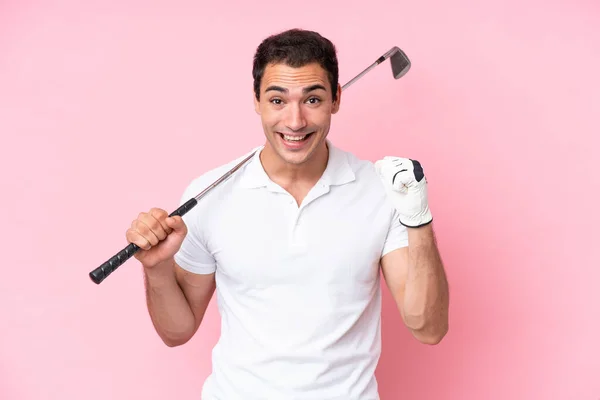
100 273
108 267
185 207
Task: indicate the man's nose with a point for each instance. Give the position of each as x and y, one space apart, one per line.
295 119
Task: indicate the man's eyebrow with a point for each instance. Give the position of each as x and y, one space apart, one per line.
313 87
305 90
276 88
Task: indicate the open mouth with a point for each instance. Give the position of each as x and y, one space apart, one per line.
295 138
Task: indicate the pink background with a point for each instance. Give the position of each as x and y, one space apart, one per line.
108 109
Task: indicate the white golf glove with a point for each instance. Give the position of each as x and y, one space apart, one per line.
406 186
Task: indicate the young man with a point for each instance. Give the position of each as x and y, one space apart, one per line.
293 243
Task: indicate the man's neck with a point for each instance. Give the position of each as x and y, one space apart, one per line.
290 175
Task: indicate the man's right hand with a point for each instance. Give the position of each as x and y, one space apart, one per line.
158 236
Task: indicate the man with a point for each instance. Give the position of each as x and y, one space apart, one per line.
293 243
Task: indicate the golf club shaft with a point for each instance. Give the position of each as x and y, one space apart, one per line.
370 67
357 77
109 266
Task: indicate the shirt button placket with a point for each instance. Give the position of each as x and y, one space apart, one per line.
294 222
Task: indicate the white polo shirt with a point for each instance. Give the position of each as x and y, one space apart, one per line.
298 287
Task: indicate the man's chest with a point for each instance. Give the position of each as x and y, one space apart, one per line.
275 242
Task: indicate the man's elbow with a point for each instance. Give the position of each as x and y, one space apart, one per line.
430 338
175 342
428 332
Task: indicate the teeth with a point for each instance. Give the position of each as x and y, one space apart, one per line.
293 138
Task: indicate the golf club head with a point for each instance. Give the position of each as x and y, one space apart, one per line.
400 62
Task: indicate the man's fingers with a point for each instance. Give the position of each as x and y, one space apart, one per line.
144 230
133 236
176 223
161 215
153 223
395 172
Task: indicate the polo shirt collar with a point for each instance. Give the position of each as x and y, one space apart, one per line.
337 172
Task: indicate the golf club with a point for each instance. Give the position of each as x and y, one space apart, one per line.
400 66
399 60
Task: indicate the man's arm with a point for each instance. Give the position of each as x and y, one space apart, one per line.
177 301
416 278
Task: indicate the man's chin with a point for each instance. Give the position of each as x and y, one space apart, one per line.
294 157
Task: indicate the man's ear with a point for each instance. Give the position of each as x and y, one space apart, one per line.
336 103
256 102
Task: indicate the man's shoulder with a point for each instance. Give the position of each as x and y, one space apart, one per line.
358 165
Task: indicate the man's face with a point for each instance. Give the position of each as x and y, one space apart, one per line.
295 108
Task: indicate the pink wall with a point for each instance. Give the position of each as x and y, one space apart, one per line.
107 110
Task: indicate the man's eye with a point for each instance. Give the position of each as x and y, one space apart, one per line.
314 100
276 101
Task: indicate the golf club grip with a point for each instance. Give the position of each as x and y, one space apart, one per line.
108 267
103 271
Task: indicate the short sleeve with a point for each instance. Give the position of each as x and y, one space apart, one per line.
397 236
193 255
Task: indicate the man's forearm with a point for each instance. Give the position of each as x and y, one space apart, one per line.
426 294
169 309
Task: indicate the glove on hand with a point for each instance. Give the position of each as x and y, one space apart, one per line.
406 186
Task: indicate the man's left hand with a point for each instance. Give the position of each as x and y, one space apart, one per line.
406 185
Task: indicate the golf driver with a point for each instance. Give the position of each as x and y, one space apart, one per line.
400 66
